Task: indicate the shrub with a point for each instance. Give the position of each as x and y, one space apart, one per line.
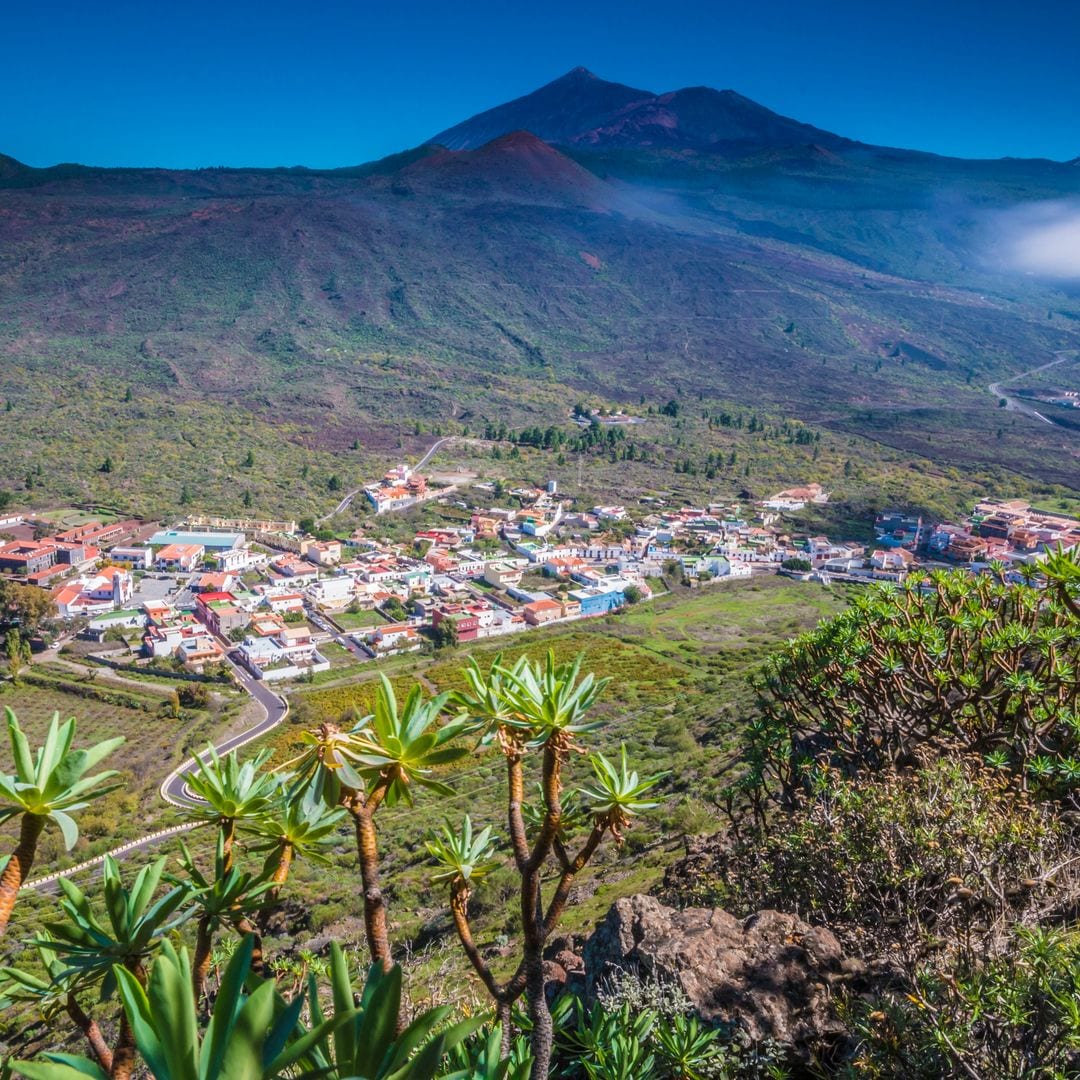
1016 1017
948 664
942 860
194 696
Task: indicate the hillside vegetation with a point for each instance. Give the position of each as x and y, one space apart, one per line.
905 781
301 313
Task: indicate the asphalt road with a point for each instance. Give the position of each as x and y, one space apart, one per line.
174 788
347 501
1013 404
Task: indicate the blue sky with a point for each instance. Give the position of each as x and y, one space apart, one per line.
327 83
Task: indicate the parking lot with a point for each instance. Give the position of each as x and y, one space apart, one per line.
152 588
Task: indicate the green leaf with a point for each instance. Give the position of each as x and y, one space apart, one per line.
68 828
230 994
243 1054
60 1067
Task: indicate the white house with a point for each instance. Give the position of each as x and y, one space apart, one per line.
233 559
332 591
180 556
94 594
283 601
397 637
284 655
139 558
502 574
610 513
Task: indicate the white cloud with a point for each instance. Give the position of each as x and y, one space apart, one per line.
1042 239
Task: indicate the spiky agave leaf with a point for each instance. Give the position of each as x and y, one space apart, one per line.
550 700
619 793
463 853
53 783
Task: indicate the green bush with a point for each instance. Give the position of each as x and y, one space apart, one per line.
942 861
94 693
1016 1017
947 664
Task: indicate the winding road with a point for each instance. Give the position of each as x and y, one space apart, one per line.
174 789
1013 404
347 501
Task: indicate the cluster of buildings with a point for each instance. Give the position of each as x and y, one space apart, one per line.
398 489
1006 531
1010 531
268 596
69 562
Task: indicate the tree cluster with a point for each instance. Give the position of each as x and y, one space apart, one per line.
224 1012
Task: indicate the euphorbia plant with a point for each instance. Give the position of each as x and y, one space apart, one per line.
949 664
536 708
49 786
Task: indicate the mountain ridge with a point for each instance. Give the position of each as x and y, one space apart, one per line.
581 109
583 112
845 285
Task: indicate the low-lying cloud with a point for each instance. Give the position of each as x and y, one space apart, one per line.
1041 239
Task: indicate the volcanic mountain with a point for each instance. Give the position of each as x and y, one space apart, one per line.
517 166
581 109
587 239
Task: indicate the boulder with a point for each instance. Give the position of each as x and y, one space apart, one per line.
772 974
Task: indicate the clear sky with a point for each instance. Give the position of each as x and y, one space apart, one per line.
330 82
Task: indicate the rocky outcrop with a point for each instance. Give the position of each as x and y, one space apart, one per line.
772 974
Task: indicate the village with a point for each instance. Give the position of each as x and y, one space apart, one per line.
273 599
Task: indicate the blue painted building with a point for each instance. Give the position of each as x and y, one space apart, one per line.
211 541
599 601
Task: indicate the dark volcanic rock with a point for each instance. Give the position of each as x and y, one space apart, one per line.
772 974
582 110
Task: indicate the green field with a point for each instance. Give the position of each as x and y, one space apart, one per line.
69 517
358 620
155 744
677 698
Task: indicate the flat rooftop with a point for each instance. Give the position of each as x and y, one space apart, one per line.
212 541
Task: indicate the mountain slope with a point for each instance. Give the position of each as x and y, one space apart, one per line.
558 112
581 109
517 166
308 312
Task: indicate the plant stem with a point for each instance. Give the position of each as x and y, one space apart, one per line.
123 1060
18 867
200 968
367 851
245 926
228 835
98 1046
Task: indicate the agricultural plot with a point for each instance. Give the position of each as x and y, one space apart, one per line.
358 620
677 699
69 517
155 743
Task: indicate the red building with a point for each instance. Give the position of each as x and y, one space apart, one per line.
464 619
